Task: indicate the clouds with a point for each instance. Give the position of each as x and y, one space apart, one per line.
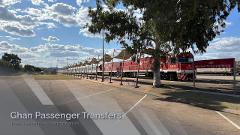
80 2
25 22
226 47
52 1
10 17
9 2
12 48
47 54
69 16
10 38
7 15
21 25
16 29
51 39
226 44
37 2
19 31
4 45
63 9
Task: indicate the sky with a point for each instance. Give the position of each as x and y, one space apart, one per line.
51 33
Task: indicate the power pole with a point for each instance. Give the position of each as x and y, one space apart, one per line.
138 68
234 74
97 68
194 74
103 60
122 67
112 67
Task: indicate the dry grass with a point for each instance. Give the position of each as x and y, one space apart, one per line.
53 77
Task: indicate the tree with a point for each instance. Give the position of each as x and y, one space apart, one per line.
175 24
94 61
30 68
12 59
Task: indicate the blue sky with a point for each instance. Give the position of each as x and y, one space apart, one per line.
48 32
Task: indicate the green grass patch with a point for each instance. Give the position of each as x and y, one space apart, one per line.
53 77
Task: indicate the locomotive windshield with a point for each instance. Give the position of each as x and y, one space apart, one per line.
185 60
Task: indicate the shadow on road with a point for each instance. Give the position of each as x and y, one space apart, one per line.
217 81
8 72
207 89
207 101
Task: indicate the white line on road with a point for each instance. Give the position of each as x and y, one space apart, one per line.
88 96
234 124
125 114
134 105
37 90
95 94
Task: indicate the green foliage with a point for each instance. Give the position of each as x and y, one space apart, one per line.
181 24
11 60
107 58
4 63
94 61
30 68
80 64
124 54
86 63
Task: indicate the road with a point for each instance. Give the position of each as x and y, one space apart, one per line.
142 114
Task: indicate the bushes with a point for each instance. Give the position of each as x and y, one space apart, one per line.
6 64
11 61
30 68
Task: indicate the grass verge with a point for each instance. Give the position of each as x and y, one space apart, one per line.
53 77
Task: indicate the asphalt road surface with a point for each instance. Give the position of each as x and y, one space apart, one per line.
140 114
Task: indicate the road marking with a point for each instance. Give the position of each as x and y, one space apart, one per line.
125 114
95 94
37 90
134 105
88 96
234 124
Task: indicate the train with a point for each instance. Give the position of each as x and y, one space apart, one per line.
217 66
172 67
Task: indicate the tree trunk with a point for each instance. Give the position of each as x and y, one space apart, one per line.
156 76
138 68
156 68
